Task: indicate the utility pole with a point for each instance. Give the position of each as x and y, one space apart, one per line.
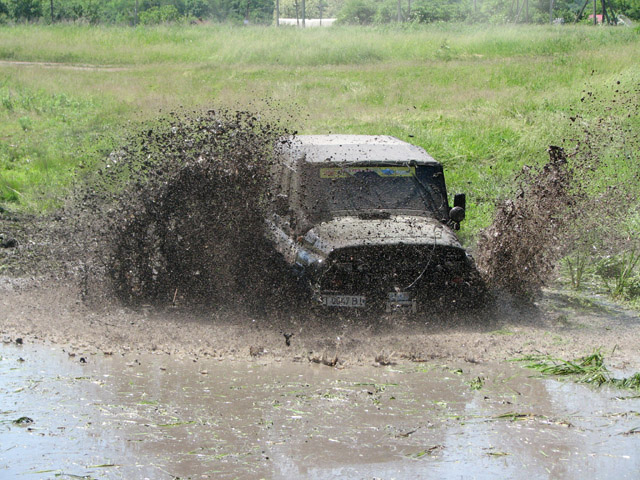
579 15
605 15
519 11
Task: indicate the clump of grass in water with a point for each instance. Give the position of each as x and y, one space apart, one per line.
589 369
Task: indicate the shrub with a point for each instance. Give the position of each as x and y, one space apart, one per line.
157 15
196 8
633 288
26 9
440 11
358 12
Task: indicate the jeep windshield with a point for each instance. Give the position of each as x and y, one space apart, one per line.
335 190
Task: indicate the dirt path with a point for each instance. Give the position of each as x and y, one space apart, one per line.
64 66
560 325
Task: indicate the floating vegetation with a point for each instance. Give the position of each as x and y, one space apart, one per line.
589 369
515 416
498 454
427 452
23 421
476 384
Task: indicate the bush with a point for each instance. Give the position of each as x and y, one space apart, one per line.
157 15
617 272
387 12
440 11
633 288
196 8
358 12
26 9
78 10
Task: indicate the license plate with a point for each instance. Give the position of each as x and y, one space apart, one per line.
351 301
401 301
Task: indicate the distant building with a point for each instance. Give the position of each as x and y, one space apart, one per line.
309 22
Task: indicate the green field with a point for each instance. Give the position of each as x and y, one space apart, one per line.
484 100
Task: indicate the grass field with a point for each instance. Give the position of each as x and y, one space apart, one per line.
483 100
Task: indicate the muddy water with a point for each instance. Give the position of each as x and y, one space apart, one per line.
159 416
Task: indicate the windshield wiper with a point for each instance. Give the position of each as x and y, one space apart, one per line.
373 215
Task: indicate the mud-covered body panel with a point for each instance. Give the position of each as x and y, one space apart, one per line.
361 227
348 231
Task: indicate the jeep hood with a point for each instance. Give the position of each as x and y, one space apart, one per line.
344 232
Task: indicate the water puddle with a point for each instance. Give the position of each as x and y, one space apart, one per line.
159 416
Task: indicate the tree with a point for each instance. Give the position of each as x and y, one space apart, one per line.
28 10
156 15
358 12
196 8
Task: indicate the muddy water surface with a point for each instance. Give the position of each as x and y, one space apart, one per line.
160 416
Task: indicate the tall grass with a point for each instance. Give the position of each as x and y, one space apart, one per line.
483 100
230 45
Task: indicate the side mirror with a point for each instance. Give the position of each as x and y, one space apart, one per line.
460 200
457 214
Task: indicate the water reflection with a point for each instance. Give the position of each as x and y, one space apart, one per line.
158 416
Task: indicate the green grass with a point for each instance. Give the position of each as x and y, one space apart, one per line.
588 369
483 100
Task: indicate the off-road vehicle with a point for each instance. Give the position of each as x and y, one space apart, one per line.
365 223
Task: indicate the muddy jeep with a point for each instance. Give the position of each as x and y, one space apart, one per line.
364 222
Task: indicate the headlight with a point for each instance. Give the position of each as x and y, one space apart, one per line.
307 259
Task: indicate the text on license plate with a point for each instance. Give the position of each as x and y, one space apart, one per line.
353 301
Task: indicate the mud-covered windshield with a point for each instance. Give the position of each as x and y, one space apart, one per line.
336 190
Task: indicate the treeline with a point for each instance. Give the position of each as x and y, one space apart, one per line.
361 12
133 12
367 12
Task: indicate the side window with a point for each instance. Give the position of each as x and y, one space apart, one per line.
296 191
285 180
281 178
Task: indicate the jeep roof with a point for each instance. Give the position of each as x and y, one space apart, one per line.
355 149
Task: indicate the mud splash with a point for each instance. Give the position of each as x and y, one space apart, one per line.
519 250
582 201
185 222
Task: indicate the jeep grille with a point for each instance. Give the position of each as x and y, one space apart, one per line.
385 268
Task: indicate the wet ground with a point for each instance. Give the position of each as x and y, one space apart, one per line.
159 416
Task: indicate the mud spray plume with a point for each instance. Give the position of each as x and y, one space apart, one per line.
583 201
178 213
519 249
